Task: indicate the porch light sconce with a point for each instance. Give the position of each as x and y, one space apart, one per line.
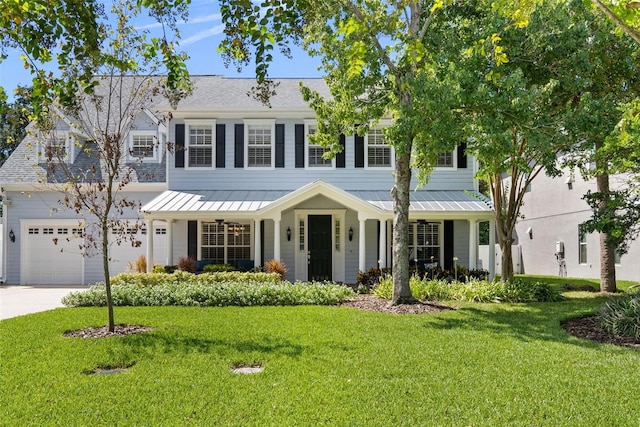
530 233
12 236
288 234
350 233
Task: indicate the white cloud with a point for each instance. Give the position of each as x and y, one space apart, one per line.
218 29
196 20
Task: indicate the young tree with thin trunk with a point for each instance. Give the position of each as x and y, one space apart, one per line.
101 120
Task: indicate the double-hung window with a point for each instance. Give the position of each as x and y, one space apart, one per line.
260 143
56 147
378 153
225 243
446 160
315 152
199 143
424 242
142 146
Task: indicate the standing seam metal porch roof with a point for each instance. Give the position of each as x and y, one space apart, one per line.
228 201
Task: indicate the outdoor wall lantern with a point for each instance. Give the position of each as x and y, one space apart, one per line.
288 234
12 236
350 233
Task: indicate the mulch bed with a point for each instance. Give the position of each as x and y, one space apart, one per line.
589 329
103 332
370 302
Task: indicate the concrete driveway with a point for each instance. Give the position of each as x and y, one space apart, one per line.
21 300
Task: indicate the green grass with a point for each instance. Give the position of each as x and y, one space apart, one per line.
481 365
622 285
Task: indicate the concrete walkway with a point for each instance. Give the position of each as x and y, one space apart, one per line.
21 300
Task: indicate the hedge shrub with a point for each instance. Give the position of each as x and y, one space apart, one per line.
208 289
473 290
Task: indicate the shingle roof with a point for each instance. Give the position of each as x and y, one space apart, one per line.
217 92
22 167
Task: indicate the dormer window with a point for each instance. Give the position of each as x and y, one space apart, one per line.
315 152
57 146
142 146
260 142
199 144
378 153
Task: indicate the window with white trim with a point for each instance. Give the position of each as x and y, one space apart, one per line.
446 160
260 143
424 242
142 146
582 244
56 147
225 243
199 143
378 154
315 152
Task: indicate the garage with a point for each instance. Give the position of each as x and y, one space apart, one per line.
51 255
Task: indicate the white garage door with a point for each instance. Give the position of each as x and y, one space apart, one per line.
48 263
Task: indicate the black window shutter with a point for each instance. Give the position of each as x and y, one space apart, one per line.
340 157
299 146
280 145
239 146
179 146
220 145
462 155
192 239
448 244
359 150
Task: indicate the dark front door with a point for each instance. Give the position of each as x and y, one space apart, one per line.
319 255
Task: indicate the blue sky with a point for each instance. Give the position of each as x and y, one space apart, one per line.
201 35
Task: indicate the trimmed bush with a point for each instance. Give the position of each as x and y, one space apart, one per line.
473 290
621 316
215 268
208 289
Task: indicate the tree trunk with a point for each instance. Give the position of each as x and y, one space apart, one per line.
607 251
506 273
107 280
400 192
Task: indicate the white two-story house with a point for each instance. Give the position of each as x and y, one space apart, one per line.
241 184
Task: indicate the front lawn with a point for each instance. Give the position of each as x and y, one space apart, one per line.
481 365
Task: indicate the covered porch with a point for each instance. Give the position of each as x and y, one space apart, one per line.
319 231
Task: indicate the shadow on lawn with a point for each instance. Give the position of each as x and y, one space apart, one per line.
525 322
164 343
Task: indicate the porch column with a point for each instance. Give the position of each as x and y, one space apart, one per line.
473 244
492 249
256 243
170 241
382 248
276 238
150 233
362 246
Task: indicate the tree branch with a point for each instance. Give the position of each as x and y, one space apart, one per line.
616 19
